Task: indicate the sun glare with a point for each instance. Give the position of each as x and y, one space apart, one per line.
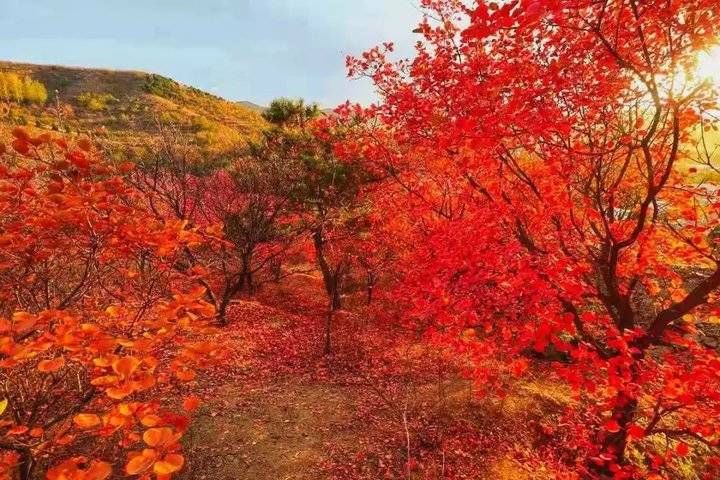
709 65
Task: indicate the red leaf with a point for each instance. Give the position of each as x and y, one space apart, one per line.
612 426
21 146
636 431
682 449
21 134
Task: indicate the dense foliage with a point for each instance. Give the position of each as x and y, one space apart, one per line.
531 205
21 89
94 316
541 156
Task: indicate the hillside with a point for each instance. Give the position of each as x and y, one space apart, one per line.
128 108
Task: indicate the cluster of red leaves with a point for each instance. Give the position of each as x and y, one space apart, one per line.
532 153
93 317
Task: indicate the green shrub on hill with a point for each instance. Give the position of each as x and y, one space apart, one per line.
162 86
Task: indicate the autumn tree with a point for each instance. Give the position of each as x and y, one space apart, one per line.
324 193
539 153
93 316
249 200
240 201
170 172
21 89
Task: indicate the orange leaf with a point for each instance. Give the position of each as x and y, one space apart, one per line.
101 362
48 366
70 470
636 431
125 366
170 464
117 420
23 321
120 392
86 420
191 403
185 374
45 137
65 440
612 426
21 146
114 310
127 409
17 430
151 420
160 436
141 462
79 159
126 167
85 144
105 380
519 366
98 471
20 133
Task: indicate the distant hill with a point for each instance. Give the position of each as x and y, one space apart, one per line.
252 106
127 108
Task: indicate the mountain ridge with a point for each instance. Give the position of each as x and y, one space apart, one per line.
128 105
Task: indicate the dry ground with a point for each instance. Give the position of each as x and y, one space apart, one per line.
280 411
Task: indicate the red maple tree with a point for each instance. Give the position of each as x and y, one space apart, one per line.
538 158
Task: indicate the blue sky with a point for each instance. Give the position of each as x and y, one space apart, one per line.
240 49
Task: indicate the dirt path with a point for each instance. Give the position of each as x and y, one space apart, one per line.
279 410
268 416
277 432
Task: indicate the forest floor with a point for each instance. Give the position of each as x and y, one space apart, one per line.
279 409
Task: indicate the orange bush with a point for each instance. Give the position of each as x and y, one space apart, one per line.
94 316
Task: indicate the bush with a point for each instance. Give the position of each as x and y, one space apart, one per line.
14 88
80 367
201 124
96 102
162 86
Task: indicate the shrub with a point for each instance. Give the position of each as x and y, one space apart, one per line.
79 364
14 88
96 102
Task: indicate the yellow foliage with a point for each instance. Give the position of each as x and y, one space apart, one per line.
96 101
14 88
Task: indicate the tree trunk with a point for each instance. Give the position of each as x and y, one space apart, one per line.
247 272
222 312
624 414
230 291
334 304
276 270
250 283
27 465
327 349
330 279
370 287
